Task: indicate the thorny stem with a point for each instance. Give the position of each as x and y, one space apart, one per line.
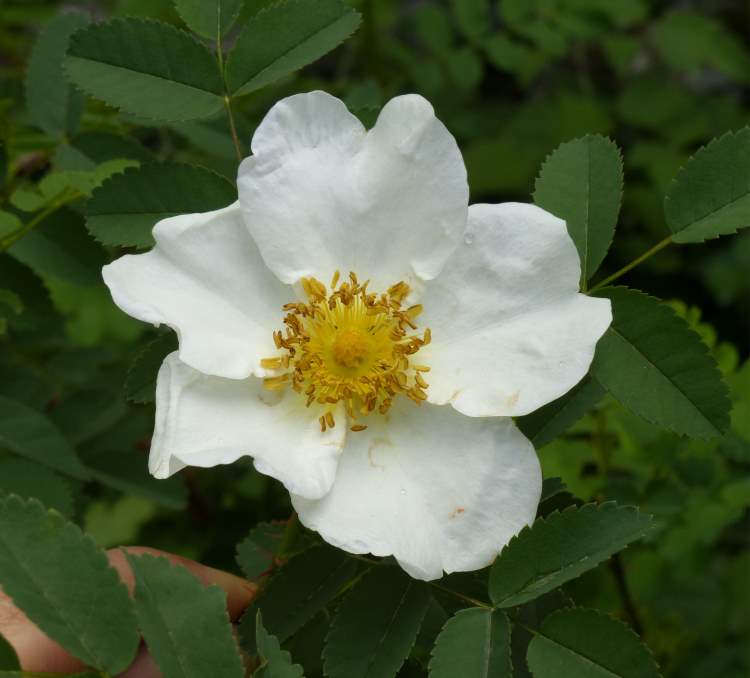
638 260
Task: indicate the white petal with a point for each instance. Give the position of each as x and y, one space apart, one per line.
510 332
437 490
205 420
205 278
320 193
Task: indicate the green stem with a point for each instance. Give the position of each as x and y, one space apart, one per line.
628 604
232 127
467 599
227 97
638 260
59 202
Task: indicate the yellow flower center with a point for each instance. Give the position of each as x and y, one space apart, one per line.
350 345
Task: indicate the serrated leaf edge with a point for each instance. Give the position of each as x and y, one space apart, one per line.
248 538
131 170
726 400
131 368
465 611
273 7
121 109
609 617
229 24
676 180
557 515
42 511
589 274
335 619
44 30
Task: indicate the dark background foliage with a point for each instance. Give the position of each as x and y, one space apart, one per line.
512 80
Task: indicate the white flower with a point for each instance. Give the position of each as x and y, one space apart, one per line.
337 406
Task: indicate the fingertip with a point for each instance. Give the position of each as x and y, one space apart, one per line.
240 592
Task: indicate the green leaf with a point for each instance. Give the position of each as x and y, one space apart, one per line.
8 657
53 104
560 547
581 182
552 487
60 247
276 663
584 643
472 17
302 30
140 384
30 434
3 166
185 625
82 181
301 588
26 200
9 223
87 413
548 422
256 553
29 480
99 147
655 365
376 625
710 196
209 18
125 208
127 471
689 41
146 68
529 616
65 585
474 643
10 305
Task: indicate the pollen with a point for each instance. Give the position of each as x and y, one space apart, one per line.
348 344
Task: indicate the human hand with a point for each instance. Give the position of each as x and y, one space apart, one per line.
37 652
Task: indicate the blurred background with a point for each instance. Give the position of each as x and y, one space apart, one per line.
512 79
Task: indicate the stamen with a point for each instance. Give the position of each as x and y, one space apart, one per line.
350 345
271 363
275 383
